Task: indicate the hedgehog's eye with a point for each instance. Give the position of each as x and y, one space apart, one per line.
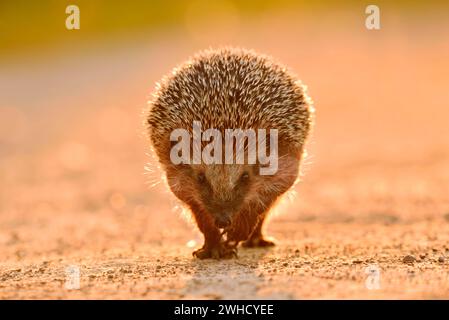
201 177
244 177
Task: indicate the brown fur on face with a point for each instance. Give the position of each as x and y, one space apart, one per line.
220 190
233 192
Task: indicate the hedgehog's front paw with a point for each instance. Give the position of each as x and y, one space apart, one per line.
258 242
220 251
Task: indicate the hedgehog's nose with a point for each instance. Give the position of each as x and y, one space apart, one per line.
222 221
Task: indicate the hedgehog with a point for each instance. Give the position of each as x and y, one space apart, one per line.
230 88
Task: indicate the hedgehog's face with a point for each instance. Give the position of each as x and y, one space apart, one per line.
223 189
220 191
224 193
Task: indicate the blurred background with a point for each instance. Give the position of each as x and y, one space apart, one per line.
73 150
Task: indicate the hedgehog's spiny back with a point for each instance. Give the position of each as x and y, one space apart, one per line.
227 89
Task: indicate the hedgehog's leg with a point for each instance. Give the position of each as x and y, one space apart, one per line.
243 226
213 246
256 239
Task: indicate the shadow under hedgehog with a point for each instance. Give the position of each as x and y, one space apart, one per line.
224 90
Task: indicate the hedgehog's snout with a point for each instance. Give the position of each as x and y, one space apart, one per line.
223 220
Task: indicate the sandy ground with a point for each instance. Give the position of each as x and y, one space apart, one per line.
74 191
